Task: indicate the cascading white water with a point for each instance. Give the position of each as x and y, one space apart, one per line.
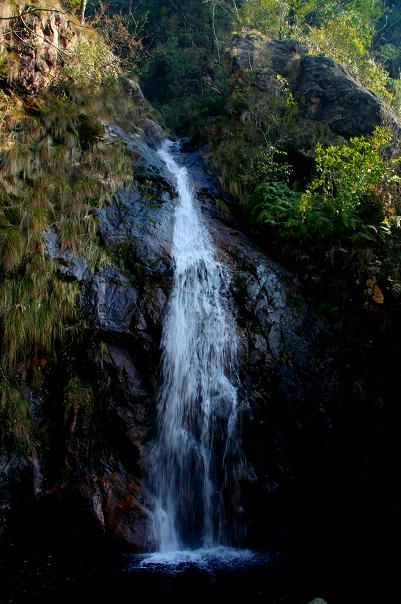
196 455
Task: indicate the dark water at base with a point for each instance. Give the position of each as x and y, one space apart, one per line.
33 573
122 578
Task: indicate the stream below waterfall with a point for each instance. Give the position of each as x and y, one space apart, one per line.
51 576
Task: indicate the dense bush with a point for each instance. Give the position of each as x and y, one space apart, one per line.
249 140
92 63
349 212
348 175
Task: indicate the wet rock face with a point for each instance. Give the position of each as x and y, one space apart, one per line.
123 311
70 265
110 302
122 228
288 389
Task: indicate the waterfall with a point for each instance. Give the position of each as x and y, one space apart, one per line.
196 455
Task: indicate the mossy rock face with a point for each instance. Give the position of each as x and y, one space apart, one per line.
53 171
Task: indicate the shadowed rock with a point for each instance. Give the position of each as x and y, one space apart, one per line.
69 264
109 303
326 92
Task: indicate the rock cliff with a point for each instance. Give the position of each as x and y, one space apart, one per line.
37 43
286 371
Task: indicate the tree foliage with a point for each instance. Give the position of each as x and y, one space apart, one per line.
184 42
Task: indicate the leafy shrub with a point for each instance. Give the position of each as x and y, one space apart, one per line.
277 206
267 15
93 63
249 142
351 209
348 176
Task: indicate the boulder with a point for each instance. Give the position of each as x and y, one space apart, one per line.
325 91
154 133
133 89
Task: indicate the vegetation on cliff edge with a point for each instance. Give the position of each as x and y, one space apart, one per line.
56 167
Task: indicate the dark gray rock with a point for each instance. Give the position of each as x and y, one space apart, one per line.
205 182
326 92
254 51
70 265
243 51
154 134
147 163
133 89
140 228
129 378
110 303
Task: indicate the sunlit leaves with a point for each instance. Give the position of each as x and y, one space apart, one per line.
347 174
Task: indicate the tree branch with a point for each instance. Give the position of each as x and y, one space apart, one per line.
34 10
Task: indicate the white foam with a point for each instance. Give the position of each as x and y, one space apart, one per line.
203 558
